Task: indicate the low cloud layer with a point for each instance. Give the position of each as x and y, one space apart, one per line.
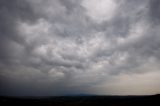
65 47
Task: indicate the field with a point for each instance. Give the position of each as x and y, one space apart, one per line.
82 101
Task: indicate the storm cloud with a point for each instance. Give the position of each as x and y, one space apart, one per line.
65 47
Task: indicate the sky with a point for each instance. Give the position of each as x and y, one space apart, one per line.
69 47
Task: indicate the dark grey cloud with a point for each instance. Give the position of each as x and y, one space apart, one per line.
60 47
12 12
154 11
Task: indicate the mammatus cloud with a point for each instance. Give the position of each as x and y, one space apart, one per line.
60 47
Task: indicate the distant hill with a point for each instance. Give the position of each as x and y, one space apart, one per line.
83 100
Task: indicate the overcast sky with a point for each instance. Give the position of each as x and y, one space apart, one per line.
66 47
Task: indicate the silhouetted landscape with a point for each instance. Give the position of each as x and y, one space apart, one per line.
153 100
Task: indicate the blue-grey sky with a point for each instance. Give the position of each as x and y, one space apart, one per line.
61 47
